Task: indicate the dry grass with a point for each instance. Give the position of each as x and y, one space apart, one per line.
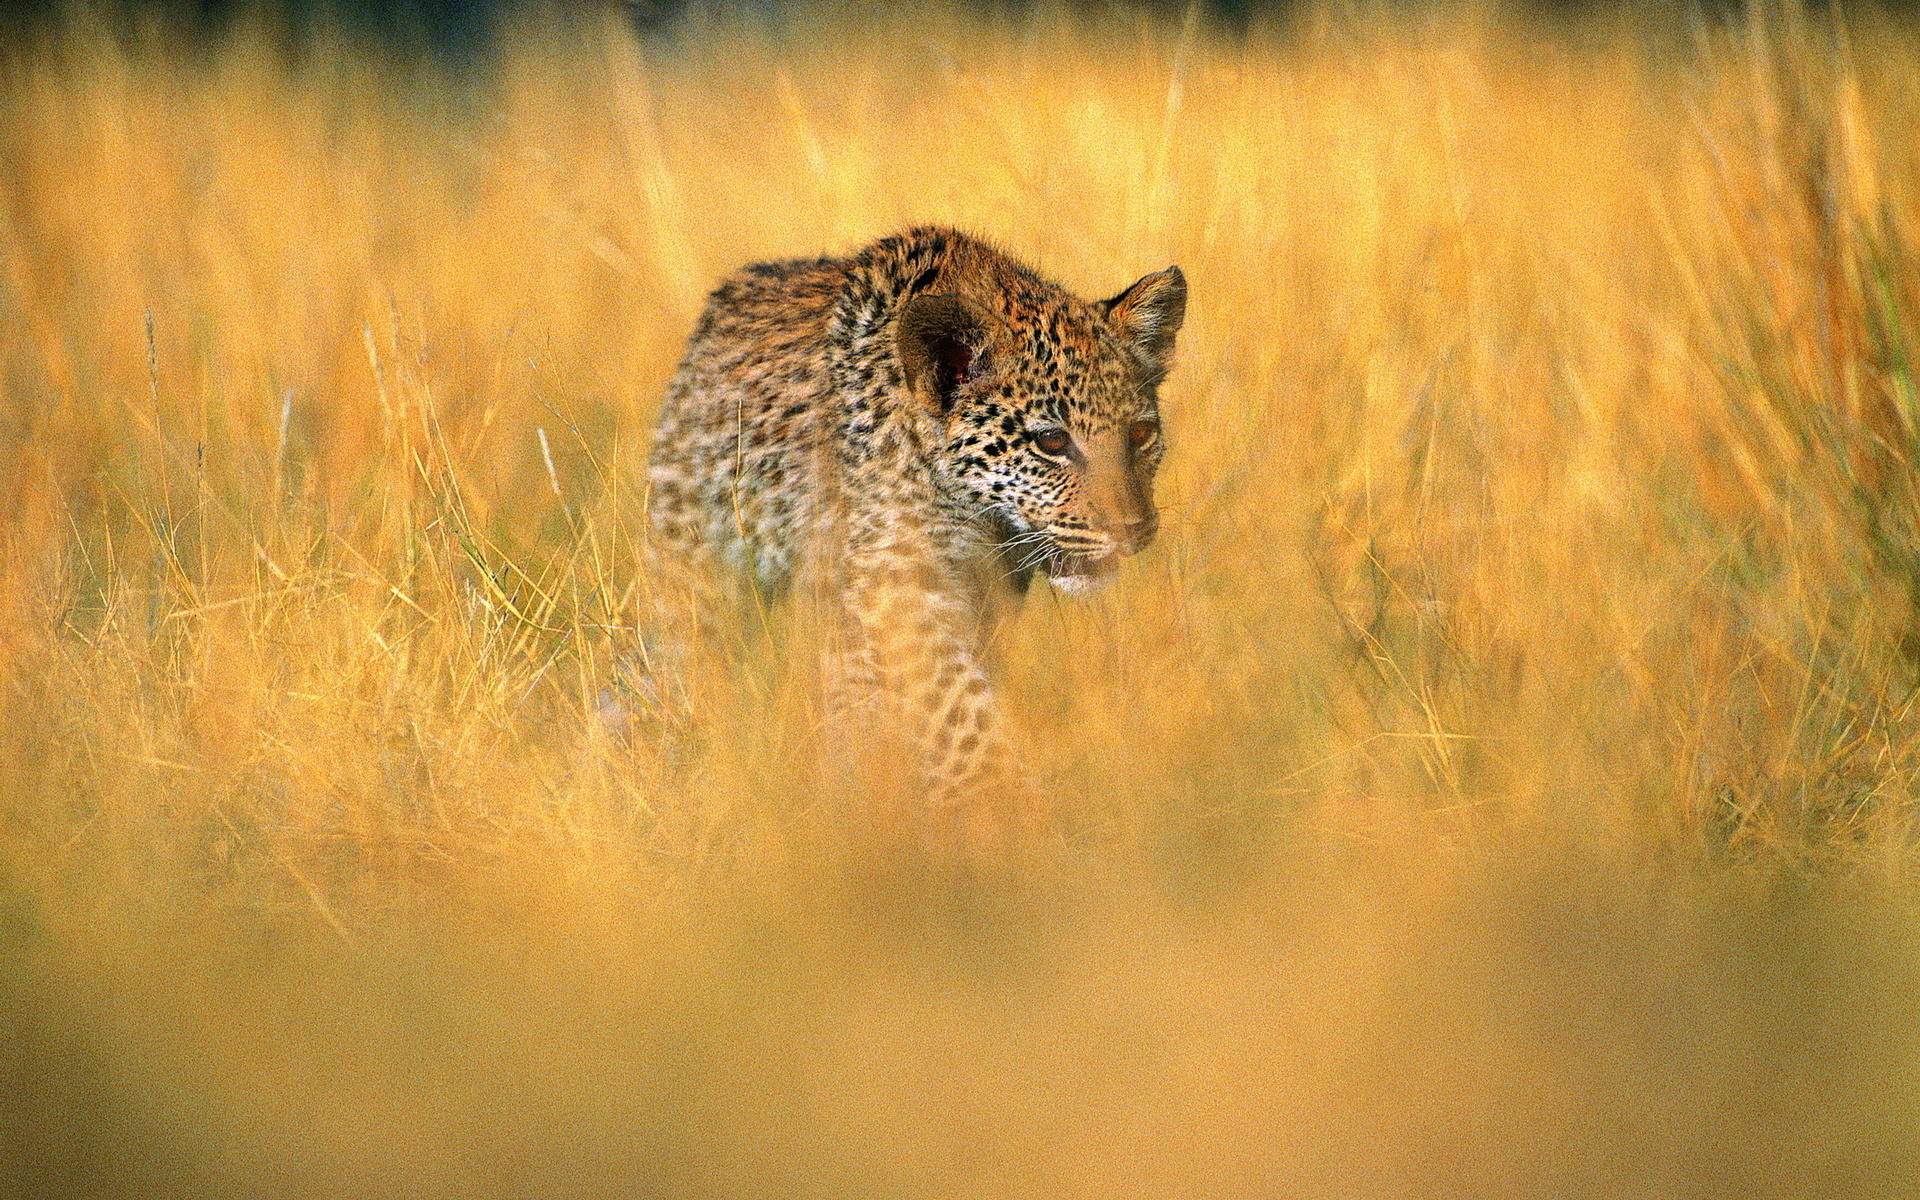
1499 780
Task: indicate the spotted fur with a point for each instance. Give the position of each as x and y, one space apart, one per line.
914 432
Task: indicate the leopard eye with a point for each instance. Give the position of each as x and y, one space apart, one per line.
1141 433
1052 441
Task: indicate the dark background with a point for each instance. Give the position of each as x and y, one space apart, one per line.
461 29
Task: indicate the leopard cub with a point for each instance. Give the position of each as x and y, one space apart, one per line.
910 434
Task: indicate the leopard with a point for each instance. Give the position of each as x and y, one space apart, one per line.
910 435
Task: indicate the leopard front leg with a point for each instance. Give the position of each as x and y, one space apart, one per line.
908 674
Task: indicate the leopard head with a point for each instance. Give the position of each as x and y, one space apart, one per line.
1049 414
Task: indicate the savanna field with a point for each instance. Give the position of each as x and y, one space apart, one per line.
1501 777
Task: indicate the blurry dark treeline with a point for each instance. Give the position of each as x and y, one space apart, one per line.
460 30
463 27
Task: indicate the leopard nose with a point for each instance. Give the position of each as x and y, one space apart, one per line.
1136 531
1122 503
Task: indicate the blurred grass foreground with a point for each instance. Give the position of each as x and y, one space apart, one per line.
1499 780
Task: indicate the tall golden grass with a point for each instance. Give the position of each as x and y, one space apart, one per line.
1500 778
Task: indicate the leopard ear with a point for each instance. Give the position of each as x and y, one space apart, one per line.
939 340
1148 315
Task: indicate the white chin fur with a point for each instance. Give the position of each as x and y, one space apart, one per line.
1080 585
